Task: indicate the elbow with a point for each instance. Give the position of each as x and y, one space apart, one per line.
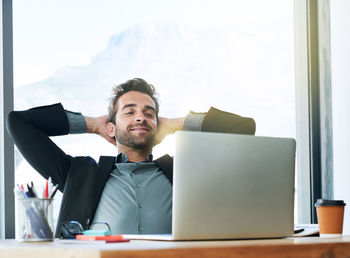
247 127
11 121
251 126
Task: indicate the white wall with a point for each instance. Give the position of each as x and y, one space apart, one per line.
340 54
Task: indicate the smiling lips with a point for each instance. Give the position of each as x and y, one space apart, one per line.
140 129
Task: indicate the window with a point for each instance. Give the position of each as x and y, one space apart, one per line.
235 55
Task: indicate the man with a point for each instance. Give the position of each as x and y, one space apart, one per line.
131 192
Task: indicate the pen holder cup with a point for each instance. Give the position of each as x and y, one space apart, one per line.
35 219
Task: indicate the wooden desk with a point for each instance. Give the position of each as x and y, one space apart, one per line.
300 247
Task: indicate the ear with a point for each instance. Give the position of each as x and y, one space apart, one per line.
110 129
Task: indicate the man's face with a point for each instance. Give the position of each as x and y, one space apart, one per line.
136 121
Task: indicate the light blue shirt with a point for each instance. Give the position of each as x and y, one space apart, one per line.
137 199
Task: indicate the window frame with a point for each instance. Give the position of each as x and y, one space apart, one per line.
7 203
313 105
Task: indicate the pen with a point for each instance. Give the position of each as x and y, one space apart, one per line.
33 189
54 192
27 194
19 192
31 192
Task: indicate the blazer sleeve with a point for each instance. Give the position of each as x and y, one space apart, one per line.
224 122
31 131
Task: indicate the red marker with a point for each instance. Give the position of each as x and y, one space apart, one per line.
46 193
109 238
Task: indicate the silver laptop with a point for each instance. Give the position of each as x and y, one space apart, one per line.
230 186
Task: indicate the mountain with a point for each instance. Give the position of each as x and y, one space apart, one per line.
246 70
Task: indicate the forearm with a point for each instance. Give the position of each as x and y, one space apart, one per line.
51 120
91 124
173 124
216 120
225 122
84 124
191 122
79 123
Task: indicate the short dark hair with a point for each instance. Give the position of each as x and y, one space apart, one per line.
136 84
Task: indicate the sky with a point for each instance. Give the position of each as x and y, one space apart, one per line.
50 34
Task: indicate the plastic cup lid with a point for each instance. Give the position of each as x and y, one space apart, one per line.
323 202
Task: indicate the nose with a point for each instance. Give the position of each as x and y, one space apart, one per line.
140 118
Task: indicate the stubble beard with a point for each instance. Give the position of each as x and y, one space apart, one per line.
124 137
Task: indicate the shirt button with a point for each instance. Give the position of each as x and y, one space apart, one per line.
140 205
138 186
141 228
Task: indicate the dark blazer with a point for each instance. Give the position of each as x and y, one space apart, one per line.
81 179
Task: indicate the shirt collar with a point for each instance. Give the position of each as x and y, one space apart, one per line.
123 158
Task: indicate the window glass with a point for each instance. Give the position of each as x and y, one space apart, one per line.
237 56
